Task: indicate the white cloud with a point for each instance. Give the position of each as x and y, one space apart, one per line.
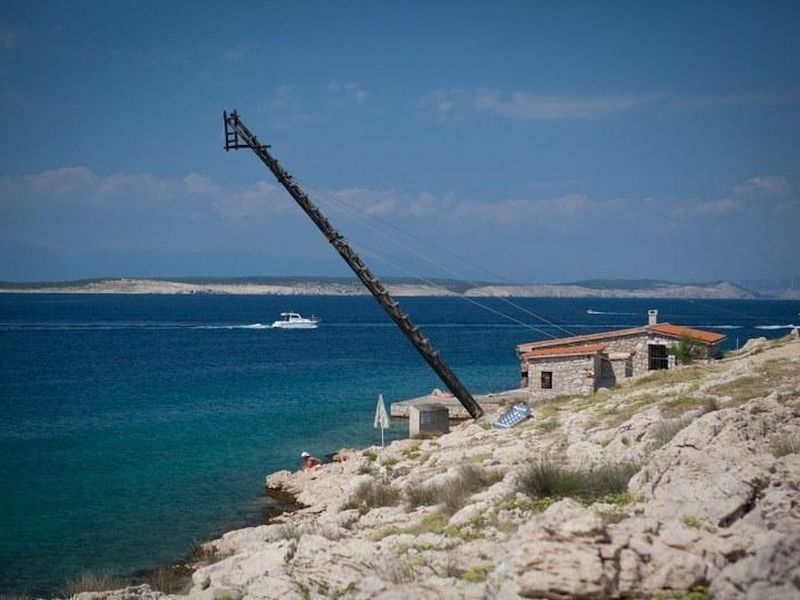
200 185
752 194
457 103
285 111
771 185
282 98
718 207
258 200
288 106
57 182
740 98
79 187
352 91
461 104
420 206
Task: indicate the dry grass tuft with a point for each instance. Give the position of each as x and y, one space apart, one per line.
664 431
680 405
88 581
170 579
372 494
548 479
785 445
454 492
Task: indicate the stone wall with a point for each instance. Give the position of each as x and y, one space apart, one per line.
640 361
638 343
584 374
571 375
622 368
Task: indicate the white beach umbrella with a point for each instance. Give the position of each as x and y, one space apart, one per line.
381 417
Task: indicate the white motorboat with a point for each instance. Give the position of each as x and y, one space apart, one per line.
291 320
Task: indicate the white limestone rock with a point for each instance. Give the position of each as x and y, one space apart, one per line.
773 573
715 468
138 592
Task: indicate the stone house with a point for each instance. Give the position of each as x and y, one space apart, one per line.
582 364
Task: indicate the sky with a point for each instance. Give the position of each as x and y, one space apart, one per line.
505 141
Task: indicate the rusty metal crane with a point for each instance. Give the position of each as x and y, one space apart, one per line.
237 136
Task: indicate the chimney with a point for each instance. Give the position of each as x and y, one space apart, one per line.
652 316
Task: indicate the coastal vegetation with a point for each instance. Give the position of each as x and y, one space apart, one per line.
606 483
685 351
372 494
624 483
453 493
169 579
88 581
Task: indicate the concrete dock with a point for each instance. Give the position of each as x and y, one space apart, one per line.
489 402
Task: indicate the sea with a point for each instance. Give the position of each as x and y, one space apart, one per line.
133 427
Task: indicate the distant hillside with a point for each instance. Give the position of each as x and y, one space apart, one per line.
342 286
787 288
601 288
636 284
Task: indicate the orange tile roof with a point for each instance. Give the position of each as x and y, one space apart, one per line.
708 337
589 337
565 351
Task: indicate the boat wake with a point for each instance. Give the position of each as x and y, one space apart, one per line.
251 326
122 326
603 312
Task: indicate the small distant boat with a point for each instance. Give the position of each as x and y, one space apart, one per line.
291 320
593 312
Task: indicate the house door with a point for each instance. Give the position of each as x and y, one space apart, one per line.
657 355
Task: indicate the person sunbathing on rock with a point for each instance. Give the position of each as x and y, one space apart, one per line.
309 462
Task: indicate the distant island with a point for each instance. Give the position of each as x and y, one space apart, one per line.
340 286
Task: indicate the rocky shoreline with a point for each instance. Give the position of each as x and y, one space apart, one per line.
682 484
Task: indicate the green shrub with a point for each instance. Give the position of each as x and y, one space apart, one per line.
476 574
698 592
695 523
692 522
710 405
422 495
685 351
548 479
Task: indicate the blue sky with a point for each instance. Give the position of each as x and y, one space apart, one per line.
543 141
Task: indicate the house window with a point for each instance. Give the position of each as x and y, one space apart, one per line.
657 355
547 380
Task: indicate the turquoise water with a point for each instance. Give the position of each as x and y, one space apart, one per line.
134 426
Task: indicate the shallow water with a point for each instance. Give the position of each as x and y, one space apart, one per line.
134 426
